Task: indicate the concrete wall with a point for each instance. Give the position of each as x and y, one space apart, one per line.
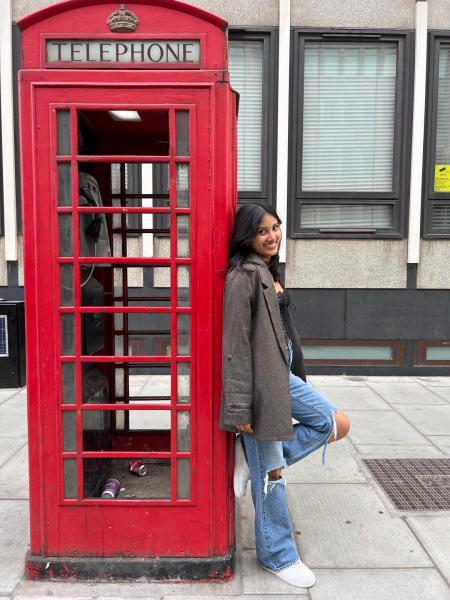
346 263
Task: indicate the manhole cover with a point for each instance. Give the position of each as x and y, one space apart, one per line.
413 483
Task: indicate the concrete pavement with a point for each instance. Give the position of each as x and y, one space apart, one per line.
347 530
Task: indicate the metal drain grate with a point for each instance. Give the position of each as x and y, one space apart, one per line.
413 483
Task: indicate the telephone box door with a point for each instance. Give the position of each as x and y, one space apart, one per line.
121 240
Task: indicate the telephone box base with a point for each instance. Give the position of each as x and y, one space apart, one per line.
50 568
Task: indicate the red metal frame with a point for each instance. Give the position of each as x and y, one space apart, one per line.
140 528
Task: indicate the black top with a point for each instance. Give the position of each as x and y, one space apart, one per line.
284 301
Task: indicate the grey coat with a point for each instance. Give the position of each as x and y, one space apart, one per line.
255 368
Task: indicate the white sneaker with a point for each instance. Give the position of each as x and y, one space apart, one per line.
297 574
241 470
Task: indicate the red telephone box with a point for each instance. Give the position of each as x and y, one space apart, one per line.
128 163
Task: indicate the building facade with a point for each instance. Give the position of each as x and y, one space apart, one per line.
344 127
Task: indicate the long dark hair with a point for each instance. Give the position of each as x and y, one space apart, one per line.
246 224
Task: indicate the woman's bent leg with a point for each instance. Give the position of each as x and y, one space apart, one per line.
275 547
316 422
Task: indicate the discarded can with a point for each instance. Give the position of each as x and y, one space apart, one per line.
138 468
111 488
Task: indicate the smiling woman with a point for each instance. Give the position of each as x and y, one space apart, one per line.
265 387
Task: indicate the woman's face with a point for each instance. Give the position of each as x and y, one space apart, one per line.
268 237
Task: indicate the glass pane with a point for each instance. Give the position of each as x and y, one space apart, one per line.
67 335
64 185
183 186
95 380
183 242
65 235
348 352
133 286
183 431
155 484
184 292
70 478
440 216
183 478
442 160
69 431
68 383
438 353
184 334
346 215
149 130
150 382
182 128
145 334
63 126
349 116
120 382
66 272
247 77
184 382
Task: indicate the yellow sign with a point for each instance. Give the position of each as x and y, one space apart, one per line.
442 178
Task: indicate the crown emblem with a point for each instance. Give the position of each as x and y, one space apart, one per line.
122 20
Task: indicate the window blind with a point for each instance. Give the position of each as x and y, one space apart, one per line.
346 215
440 216
246 72
443 108
349 116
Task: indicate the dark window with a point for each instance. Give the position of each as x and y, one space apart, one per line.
437 164
251 63
350 112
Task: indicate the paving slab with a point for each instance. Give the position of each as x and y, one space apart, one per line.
259 582
13 419
340 466
276 596
336 380
390 378
13 543
405 393
354 398
431 420
9 447
14 476
441 441
371 427
379 584
348 526
442 392
434 533
392 451
432 381
68 590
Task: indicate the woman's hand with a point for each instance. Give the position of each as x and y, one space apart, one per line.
245 428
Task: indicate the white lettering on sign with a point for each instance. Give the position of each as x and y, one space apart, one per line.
146 52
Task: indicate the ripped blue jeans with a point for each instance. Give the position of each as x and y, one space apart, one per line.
275 547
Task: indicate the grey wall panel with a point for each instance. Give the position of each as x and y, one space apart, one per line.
397 315
253 12
319 313
346 263
372 314
353 13
434 266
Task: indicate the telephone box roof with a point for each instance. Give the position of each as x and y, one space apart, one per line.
67 5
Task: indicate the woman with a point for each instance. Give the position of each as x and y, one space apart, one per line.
264 387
